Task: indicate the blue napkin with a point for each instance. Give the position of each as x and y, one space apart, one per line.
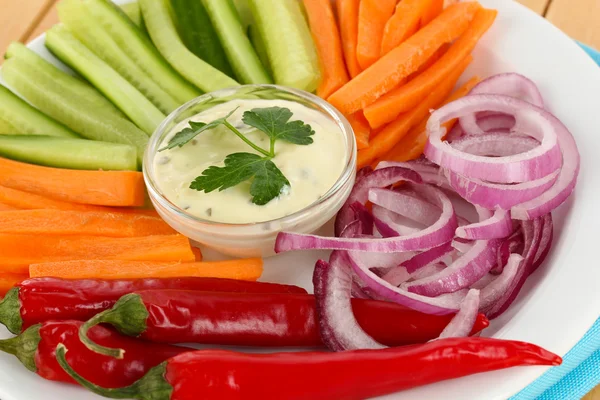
580 370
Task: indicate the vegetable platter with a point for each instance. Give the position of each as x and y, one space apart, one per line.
558 303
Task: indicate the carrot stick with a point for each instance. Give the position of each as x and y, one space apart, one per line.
106 188
403 24
8 281
57 222
434 9
361 128
413 144
347 11
326 35
395 131
6 207
197 253
17 252
406 97
245 269
372 17
18 199
405 59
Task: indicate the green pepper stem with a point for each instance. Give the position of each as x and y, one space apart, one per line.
128 316
153 386
248 142
10 311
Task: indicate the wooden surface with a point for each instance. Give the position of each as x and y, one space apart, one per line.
23 20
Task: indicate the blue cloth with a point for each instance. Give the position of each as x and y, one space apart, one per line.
580 370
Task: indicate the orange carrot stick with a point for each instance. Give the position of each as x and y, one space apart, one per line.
17 252
395 131
361 128
434 9
405 59
245 269
406 97
57 222
197 253
372 17
6 207
326 35
106 188
413 144
8 281
403 24
18 199
347 11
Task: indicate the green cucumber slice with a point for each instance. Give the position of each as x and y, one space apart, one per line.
136 43
6 128
72 52
27 120
89 122
75 86
132 10
198 34
260 47
292 53
69 153
91 33
239 50
164 35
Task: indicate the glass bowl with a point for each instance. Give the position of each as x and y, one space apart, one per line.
250 239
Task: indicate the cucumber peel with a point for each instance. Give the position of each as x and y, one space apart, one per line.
135 42
27 120
288 41
132 10
69 153
89 122
91 33
242 56
164 35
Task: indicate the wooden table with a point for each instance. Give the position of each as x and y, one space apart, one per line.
23 20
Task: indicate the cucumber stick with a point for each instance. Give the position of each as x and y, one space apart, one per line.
28 120
289 45
89 122
6 128
239 50
69 153
164 35
259 46
91 33
198 34
134 42
76 87
132 10
244 13
72 52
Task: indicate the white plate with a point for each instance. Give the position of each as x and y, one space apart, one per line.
561 301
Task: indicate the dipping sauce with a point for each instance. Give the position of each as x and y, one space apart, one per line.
311 170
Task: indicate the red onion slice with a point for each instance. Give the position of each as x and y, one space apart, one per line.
462 273
533 164
362 214
427 257
416 209
496 123
379 178
462 323
492 292
497 195
495 144
545 242
512 244
498 226
440 305
395 276
429 172
388 224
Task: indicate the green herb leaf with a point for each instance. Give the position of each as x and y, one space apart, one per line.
196 128
240 167
274 122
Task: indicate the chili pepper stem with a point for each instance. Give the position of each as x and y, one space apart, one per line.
10 314
153 386
128 316
24 346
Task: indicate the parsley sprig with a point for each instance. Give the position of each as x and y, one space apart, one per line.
267 179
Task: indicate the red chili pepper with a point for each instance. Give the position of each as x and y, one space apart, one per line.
36 349
43 299
278 320
347 375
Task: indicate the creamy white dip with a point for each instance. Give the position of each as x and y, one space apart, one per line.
311 170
